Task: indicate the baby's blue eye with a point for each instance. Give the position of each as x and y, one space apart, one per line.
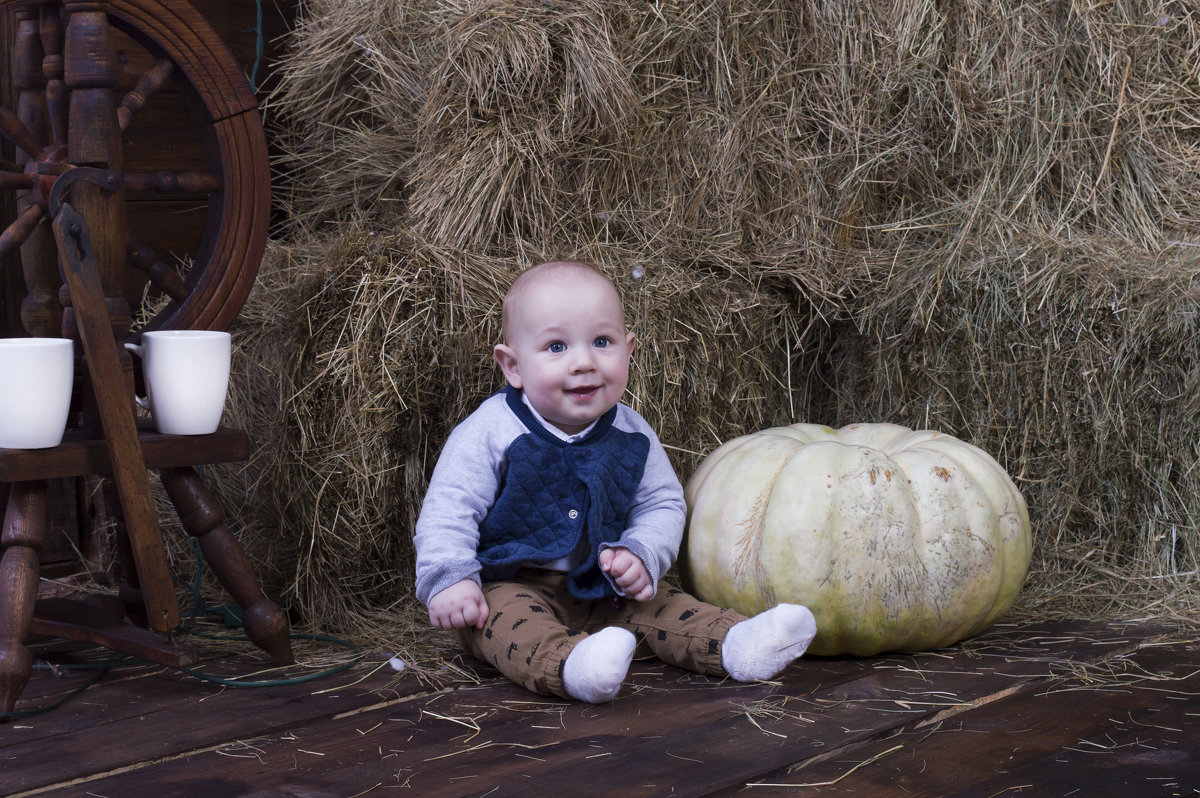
558 347
601 342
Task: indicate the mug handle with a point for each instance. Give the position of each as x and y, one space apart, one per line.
142 401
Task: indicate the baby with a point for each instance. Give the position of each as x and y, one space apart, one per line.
553 513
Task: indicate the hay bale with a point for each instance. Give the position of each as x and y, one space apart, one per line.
734 128
683 134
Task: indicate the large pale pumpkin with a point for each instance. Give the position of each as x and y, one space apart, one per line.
897 540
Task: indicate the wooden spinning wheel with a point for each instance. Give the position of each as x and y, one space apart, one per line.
77 185
67 76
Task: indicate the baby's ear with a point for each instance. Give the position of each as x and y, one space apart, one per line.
630 341
507 359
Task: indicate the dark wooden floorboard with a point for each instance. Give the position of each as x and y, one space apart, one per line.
1131 728
1021 705
132 717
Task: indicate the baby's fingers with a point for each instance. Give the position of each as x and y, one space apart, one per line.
480 613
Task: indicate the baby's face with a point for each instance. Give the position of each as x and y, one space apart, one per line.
569 350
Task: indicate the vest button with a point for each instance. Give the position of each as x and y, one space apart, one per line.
573 514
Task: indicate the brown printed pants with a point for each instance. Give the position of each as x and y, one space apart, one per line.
534 623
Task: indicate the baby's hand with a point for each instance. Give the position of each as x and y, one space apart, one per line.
460 605
629 572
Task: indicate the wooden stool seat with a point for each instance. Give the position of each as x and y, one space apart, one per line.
79 455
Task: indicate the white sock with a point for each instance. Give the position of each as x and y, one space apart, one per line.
597 665
760 647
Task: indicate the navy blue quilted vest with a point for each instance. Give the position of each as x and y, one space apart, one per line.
556 492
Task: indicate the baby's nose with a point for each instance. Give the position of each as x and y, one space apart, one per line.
582 360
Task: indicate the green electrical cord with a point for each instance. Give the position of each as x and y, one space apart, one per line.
25 713
345 666
231 616
258 46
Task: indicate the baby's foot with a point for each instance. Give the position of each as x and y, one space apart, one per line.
760 647
597 665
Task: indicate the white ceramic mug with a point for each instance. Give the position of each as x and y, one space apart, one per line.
187 378
36 377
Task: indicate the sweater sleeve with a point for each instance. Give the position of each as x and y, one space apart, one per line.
461 491
655 522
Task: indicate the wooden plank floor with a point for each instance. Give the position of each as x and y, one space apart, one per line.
1049 709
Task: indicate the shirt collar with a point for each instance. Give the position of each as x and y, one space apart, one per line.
553 430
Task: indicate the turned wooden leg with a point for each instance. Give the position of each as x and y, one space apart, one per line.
202 518
21 538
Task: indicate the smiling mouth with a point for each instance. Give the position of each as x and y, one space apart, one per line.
583 393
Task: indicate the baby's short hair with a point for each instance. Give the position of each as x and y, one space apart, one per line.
551 270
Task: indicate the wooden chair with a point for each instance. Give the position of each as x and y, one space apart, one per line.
72 186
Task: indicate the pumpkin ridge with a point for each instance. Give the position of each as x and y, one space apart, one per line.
749 544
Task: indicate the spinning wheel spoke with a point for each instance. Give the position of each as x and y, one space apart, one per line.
162 276
13 129
147 86
9 180
173 182
18 232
